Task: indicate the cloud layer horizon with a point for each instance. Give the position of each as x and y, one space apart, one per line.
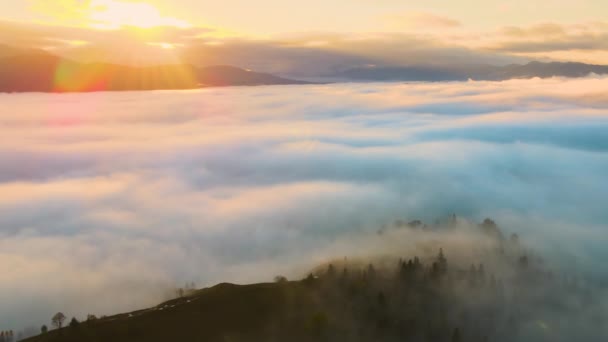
109 199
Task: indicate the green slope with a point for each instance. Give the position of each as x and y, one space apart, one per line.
219 313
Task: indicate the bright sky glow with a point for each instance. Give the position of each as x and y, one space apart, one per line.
539 29
115 14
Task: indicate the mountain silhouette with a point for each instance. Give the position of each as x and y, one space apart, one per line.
431 73
29 70
39 71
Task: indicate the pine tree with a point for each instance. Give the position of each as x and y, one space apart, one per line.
74 323
443 262
456 337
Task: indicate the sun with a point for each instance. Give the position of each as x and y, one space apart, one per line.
167 46
162 45
111 14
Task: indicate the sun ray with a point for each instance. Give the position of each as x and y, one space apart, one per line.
112 14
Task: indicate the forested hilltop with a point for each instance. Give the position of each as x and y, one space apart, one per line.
495 290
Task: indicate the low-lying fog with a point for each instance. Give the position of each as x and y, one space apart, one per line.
107 200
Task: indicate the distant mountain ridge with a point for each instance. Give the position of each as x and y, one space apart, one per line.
39 71
486 72
29 70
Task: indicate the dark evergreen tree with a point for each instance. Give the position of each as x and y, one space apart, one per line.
371 271
74 323
331 271
456 337
443 262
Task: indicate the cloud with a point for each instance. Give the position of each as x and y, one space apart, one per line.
551 37
436 41
314 55
401 39
124 45
421 20
302 55
109 199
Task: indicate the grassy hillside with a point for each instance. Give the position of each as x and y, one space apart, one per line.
219 313
508 295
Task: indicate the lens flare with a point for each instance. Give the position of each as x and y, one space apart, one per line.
71 77
75 77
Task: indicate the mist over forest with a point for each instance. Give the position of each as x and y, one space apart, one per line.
479 285
110 201
319 171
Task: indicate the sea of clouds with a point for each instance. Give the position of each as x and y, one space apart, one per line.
107 200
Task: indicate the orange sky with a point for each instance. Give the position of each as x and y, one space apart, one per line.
562 30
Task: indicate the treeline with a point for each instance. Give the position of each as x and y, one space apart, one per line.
415 301
440 301
7 336
508 294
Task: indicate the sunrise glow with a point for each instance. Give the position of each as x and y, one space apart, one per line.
115 14
319 171
162 45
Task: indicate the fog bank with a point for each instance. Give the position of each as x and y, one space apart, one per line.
109 199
